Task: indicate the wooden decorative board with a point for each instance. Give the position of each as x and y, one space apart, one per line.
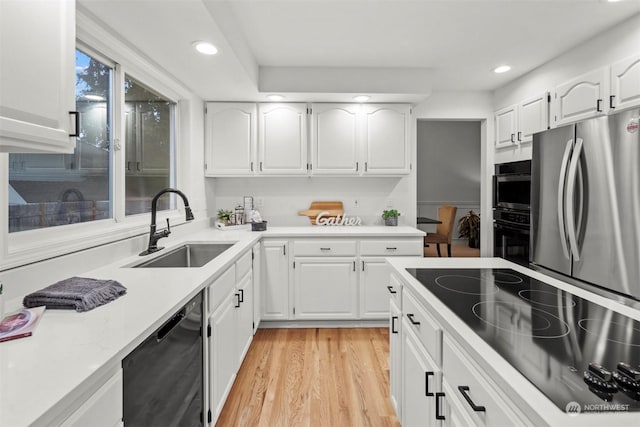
334 209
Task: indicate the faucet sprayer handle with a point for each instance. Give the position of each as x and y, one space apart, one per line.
168 230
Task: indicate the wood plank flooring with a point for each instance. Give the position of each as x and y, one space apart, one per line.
313 377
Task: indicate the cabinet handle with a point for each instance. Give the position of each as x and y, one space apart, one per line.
251 166
76 129
357 166
325 249
513 135
237 304
284 250
427 374
463 390
599 105
392 249
391 291
138 166
128 166
412 320
241 295
354 266
611 98
519 136
362 265
438 416
393 324
366 166
260 166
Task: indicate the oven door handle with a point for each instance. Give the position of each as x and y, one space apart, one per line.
509 225
561 198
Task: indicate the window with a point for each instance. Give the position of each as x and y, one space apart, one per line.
149 140
47 190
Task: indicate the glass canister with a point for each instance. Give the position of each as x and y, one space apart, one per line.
239 215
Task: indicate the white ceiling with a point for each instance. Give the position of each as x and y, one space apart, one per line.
329 50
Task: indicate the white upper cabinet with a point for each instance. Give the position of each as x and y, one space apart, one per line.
230 141
37 88
386 139
335 135
581 97
517 123
282 139
625 83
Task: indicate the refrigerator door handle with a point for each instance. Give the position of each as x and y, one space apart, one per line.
569 202
561 198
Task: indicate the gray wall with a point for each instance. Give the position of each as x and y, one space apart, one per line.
448 166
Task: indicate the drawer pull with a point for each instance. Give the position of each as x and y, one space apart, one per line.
325 249
438 416
427 374
241 299
392 249
237 304
413 321
463 390
391 291
393 324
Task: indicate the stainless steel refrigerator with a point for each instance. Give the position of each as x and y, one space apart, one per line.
585 201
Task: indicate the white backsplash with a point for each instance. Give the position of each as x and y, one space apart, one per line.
283 197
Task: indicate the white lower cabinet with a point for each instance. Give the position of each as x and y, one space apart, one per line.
275 280
222 351
103 408
422 382
244 316
374 295
455 415
325 288
395 352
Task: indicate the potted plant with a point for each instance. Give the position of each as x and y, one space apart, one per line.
469 227
225 216
390 217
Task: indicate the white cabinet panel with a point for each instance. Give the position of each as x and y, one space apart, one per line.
581 97
282 139
222 353
335 138
103 408
625 83
37 88
454 414
375 276
257 285
244 316
325 288
386 138
506 126
421 380
395 359
275 280
230 139
533 116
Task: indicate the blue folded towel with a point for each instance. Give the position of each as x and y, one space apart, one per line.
78 293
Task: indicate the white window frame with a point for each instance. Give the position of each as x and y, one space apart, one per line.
20 248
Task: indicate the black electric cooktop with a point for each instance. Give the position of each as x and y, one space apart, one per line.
571 349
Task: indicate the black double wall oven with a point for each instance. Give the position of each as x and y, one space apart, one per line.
511 211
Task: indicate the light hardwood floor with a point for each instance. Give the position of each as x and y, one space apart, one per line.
313 377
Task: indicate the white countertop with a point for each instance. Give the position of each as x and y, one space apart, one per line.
70 351
514 384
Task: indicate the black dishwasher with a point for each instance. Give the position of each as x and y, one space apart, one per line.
163 376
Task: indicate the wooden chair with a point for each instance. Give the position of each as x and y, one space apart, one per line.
446 214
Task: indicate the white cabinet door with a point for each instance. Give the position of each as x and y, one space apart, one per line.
395 357
421 380
257 284
37 87
625 83
230 139
375 276
506 126
454 413
335 136
103 408
325 288
282 140
223 353
275 280
581 97
244 316
533 116
386 139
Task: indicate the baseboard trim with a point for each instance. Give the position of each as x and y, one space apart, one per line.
377 323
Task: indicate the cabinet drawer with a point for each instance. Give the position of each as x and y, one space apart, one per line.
221 287
395 290
243 265
324 247
390 247
461 374
425 327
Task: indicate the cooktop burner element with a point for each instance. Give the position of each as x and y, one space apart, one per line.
571 349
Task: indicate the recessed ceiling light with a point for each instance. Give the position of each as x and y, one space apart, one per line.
361 98
501 69
205 48
275 97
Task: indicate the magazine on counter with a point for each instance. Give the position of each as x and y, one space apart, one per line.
20 324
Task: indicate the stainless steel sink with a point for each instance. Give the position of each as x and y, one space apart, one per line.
188 255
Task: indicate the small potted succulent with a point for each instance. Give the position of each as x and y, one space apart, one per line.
469 227
225 216
390 217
